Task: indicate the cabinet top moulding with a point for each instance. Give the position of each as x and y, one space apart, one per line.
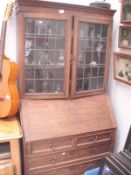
33 3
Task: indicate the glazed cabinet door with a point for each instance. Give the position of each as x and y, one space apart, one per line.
91 52
46 63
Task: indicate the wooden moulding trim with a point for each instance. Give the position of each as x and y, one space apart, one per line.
111 111
4 156
121 15
24 145
62 5
87 93
87 134
123 54
45 96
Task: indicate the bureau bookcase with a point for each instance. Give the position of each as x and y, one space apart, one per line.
63 51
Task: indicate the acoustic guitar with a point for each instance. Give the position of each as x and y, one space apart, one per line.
9 97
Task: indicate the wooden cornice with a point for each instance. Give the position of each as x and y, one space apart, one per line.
46 4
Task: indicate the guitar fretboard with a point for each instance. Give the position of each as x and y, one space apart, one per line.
2 45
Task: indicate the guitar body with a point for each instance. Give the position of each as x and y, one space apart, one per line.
9 97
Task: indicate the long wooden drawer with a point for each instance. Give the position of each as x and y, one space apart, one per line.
50 145
88 139
43 160
77 169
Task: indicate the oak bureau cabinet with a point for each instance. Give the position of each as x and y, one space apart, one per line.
66 136
63 51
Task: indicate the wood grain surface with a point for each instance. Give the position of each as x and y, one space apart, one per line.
54 118
9 129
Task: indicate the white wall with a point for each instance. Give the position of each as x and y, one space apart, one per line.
10 48
120 93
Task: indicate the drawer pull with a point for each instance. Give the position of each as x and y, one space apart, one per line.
51 145
92 151
94 138
53 160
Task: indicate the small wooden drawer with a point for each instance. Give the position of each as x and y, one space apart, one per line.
44 160
93 150
78 169
7 167
47 146
87 139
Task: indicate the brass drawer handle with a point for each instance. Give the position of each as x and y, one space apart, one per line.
52 160
51 145
92 150
94 138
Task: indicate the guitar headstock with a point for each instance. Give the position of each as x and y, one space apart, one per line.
8 10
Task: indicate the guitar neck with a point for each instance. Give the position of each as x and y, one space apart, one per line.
2 44
3 33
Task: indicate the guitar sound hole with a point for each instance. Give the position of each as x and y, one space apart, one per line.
1 99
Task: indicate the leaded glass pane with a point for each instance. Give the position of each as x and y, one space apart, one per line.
44 55
92 39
